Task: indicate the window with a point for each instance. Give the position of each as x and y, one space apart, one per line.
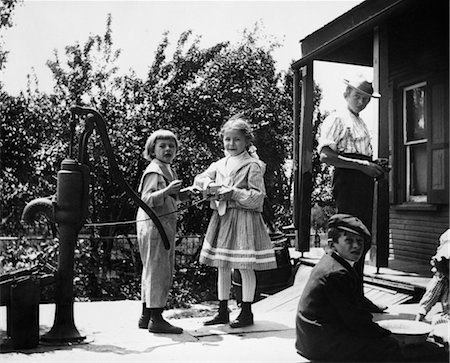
415 142
419 146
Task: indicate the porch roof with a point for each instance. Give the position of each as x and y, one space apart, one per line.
348 38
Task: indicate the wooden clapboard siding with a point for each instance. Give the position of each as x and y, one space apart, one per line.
409 245
414 235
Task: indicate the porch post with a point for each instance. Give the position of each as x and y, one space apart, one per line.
379 253
303 189
295 167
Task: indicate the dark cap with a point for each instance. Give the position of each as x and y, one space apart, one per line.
347 222
361 84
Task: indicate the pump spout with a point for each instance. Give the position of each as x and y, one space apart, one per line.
36 207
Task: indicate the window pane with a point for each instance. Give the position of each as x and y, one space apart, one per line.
415 114
418 170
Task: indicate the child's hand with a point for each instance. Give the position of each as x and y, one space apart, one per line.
174 187
224 193
212 190
189 193
192 189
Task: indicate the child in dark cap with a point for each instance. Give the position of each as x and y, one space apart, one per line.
333 320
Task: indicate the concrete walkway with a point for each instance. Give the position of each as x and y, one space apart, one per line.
113 336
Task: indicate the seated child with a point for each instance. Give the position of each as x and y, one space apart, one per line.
438 290
333 320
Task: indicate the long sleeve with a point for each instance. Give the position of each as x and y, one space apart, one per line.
209 175
432 294
151 192
331 130
253 197
344 132
345 300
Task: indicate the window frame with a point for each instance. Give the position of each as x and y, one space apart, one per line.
408 144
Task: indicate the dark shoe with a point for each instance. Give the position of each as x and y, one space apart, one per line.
163 327
245 317
219 318
143 322
157 324
242 320
222 316
145 317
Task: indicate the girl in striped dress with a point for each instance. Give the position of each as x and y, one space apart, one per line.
237 236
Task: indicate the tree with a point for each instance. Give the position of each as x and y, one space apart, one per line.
237 79
6 12
322 173
193 92
32 149
321 197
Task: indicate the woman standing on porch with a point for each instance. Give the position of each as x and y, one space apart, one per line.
345 143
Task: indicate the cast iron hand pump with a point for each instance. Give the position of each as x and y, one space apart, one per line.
69 209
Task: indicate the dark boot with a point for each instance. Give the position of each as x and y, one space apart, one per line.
245 317
157 323
222 316
145 317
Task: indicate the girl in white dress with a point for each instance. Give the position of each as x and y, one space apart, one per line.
237 236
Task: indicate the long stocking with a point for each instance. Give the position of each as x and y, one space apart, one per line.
248 285
223 283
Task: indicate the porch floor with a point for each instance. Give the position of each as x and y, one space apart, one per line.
112 334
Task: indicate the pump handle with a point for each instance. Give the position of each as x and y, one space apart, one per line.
100 126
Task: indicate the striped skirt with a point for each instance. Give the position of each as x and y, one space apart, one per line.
238 240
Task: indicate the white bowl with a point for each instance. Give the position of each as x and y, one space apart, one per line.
407 331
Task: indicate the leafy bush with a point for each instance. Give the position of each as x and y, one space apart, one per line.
192 93
193 282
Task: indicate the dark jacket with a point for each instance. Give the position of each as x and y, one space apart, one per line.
333 322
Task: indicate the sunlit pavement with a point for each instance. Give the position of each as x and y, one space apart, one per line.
112 336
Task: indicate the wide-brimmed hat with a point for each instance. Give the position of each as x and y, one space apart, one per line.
443 250
349 223
361 84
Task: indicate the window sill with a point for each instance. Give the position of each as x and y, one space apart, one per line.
416 207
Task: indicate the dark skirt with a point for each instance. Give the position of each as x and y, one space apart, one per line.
353 193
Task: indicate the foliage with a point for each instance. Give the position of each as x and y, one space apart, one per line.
193 283
6 12
322 173
193 93
24 253
320 216
321 197
31 135
234 79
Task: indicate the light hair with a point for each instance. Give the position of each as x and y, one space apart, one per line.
240 123
161 134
